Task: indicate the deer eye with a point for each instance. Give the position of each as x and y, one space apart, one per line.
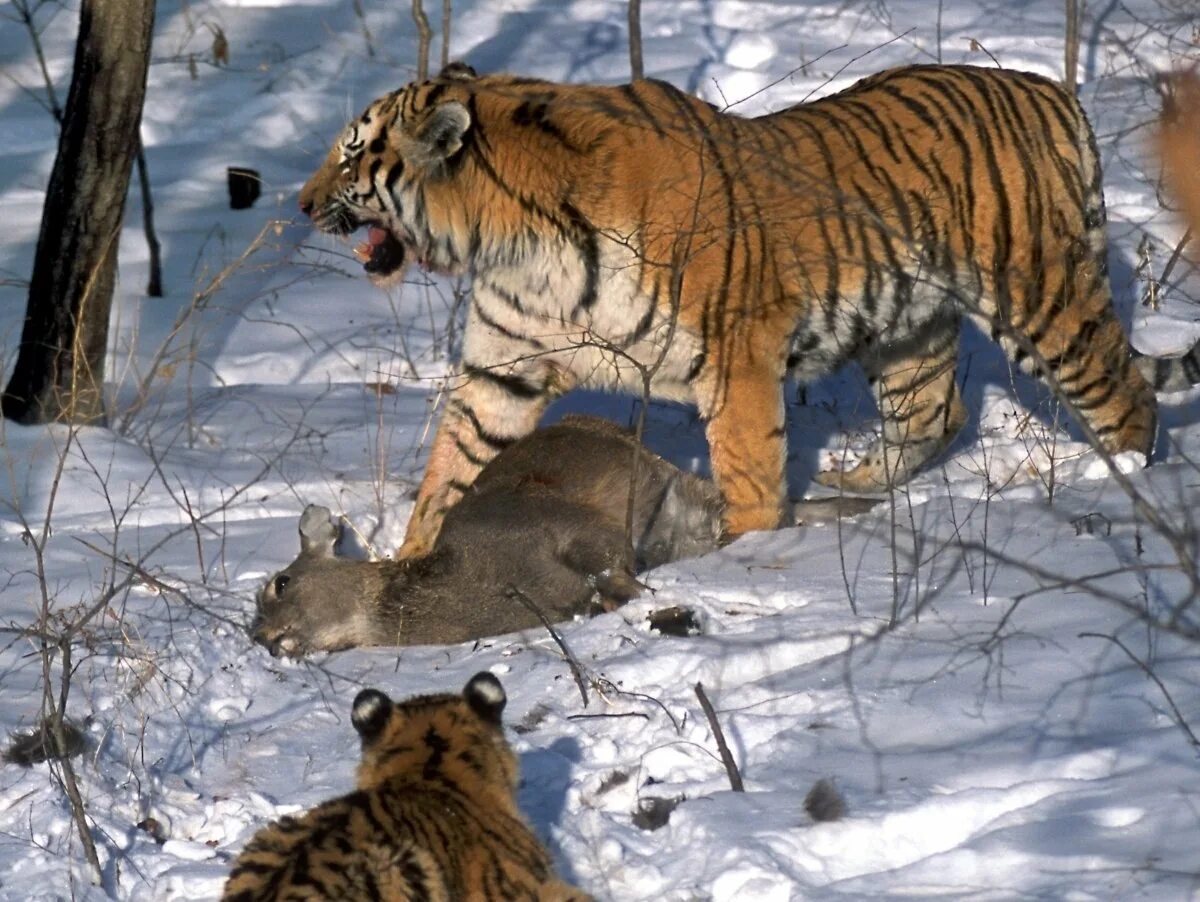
281 583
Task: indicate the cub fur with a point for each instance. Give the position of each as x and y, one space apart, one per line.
434 816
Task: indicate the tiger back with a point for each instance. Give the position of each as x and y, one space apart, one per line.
434 816
633 234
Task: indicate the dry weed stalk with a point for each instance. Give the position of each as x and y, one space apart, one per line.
577 669
200 301
61 632
446 11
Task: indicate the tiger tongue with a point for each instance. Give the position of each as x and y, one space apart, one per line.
376 237
384 254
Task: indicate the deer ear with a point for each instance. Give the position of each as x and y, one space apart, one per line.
318 531
439 136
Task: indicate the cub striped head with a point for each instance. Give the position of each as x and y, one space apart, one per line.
451 738
373 176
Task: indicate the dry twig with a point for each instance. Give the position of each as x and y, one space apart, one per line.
572 661
735 778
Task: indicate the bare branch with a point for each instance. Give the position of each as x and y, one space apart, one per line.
572 661
1145 668
424 36
635 39
735 778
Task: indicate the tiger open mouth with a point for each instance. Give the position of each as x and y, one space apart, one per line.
382 254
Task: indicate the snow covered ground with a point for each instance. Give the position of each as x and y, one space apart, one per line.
970 663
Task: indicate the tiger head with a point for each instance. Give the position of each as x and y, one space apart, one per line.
376 171
453 739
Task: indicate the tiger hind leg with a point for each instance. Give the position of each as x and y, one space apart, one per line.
1081 346
921 407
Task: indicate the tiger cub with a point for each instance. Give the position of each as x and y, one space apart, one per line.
629 233
434 816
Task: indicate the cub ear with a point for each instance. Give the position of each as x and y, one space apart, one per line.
370 713
318 531
486 697
457 71
439 136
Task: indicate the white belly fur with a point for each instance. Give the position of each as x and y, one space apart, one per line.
539 304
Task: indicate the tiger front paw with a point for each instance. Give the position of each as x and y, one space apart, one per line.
758 518
415 545
863 477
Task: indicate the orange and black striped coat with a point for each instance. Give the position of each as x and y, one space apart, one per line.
633 236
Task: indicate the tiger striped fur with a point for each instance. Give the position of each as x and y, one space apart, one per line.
627 230
434 817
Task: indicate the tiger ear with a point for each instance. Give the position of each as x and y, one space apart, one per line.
486 697
370 713
439 136
457 71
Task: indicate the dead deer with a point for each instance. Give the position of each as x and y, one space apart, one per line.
541 533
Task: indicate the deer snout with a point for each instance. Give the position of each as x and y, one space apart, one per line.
278 644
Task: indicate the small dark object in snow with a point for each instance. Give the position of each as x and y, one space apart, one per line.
613 780
244 187
1092 524
674 621
531 721
153 827
653 813
30 747
824 802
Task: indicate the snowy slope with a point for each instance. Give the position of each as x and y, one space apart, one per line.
970 663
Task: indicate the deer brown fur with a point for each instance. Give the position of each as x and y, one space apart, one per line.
545 520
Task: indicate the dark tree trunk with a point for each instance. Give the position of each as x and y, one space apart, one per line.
635 39
1071 57
59 373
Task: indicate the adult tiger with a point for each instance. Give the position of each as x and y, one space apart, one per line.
629 231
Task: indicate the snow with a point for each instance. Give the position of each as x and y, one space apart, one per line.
970 663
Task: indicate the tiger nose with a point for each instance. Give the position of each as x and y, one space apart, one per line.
306 206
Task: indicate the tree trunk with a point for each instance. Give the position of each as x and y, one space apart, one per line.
424 36
635 39
1074 10
59 373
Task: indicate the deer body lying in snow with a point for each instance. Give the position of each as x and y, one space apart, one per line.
541 531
